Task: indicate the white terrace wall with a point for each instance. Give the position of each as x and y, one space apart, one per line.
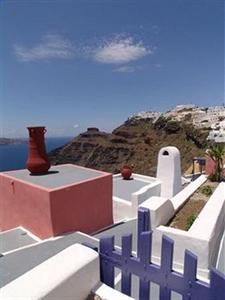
107 293
220 264
163 209
71 274
182 240
145 193
122 209
125 209
210 223
204 236
179 199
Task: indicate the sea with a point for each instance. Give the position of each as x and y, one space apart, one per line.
14 156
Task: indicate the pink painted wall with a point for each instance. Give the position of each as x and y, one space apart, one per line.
85 206
209 166
24 205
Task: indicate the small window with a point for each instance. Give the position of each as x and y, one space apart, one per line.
165 153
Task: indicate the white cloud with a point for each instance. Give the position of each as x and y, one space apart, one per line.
125 69
120 50
51 46
75 126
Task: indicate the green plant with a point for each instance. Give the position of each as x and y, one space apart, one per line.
216 152
190 221
213 177
207 190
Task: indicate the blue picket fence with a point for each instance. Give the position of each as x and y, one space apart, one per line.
169 280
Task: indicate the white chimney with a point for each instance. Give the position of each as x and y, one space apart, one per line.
169 171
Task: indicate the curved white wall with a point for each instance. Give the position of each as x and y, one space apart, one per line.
204 236
71 274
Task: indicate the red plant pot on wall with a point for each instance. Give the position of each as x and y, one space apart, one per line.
126 172
37 162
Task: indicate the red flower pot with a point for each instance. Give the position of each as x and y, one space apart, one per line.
37 162
126 172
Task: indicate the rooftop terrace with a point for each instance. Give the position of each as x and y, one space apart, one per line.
67 185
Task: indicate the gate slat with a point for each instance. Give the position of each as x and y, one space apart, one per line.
107 270
143 224
126 274
166 267
190 270
144 256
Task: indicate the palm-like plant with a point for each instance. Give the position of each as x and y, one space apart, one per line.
216 152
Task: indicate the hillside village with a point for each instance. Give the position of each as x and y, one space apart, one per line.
212 117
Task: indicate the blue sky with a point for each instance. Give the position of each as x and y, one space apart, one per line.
74 64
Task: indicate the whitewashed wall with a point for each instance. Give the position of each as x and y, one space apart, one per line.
179 199
204 236
125 209
71 274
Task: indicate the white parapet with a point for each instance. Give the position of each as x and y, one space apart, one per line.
127 208
179 199
71 274
204 236
107 293
210 223
123 210
169 171
161 210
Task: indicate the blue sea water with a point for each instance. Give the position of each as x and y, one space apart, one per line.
13 157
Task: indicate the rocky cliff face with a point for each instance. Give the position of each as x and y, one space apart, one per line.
136 142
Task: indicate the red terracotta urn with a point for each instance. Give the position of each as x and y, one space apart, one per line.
37 162
126 172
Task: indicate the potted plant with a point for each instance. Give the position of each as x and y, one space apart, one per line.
126 172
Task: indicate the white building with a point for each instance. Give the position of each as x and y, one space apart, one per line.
146 115
181 107
218 136
200 117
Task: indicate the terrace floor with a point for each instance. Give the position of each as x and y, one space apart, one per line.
14 239
21 261
58 176
123 189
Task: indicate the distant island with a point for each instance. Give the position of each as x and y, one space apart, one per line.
9 141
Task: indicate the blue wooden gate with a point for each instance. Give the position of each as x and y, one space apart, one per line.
185 284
